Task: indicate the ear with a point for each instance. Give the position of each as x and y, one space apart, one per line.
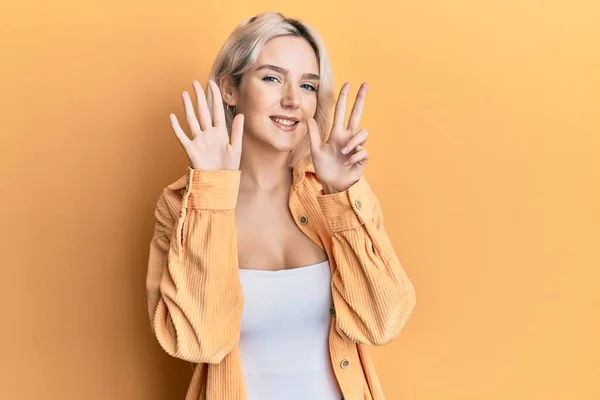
229 91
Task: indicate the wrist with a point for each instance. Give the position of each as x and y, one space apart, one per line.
350 208
212 189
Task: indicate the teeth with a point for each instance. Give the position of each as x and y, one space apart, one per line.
285 122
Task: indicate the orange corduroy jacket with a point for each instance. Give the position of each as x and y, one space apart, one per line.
195 299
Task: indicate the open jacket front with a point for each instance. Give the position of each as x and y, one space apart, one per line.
195 300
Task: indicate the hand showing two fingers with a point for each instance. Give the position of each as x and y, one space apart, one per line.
211 147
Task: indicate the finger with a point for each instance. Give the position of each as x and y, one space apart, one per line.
190 114
183 138
203 111
340 107
357 109
359 156
313 133
218 116
359 138
237 131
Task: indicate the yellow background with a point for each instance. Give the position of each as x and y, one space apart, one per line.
484 141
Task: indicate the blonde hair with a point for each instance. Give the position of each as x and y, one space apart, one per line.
241 49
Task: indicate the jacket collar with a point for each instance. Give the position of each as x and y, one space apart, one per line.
299 171
298 174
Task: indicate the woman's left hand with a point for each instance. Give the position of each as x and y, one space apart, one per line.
339 162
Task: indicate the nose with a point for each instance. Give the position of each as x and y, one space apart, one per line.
290 97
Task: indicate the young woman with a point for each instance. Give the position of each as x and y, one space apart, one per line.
270 268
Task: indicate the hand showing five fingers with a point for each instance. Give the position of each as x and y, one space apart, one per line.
210 147
339 162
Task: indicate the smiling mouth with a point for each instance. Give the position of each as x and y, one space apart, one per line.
284 122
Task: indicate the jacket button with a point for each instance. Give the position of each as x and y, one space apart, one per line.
332 311
303 219
358 204
345 364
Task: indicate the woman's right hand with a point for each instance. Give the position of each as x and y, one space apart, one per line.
210 147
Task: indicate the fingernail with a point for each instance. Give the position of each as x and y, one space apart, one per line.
344 150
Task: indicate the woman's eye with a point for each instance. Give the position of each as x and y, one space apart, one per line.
270 79
309 87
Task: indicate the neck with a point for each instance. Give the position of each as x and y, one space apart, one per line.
264 170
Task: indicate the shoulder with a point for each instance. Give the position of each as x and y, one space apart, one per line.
305 178
310 186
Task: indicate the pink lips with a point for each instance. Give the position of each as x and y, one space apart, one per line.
285 128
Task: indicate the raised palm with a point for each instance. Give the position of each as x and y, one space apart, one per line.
211 147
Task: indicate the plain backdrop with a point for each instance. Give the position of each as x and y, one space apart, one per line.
484 142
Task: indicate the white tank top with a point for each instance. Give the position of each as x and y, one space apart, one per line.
284 337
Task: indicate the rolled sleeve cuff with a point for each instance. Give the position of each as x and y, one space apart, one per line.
348 209
212 190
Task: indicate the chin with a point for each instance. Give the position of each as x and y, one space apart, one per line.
284 146
272 137
286 141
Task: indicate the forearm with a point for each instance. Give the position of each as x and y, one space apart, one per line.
372 292
197 303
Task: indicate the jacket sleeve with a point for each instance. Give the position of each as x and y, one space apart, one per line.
194 294
372 294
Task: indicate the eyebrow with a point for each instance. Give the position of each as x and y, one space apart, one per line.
284 71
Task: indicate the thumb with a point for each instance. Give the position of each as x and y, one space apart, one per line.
237 131
313 133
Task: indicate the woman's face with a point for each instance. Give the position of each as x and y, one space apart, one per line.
279 93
